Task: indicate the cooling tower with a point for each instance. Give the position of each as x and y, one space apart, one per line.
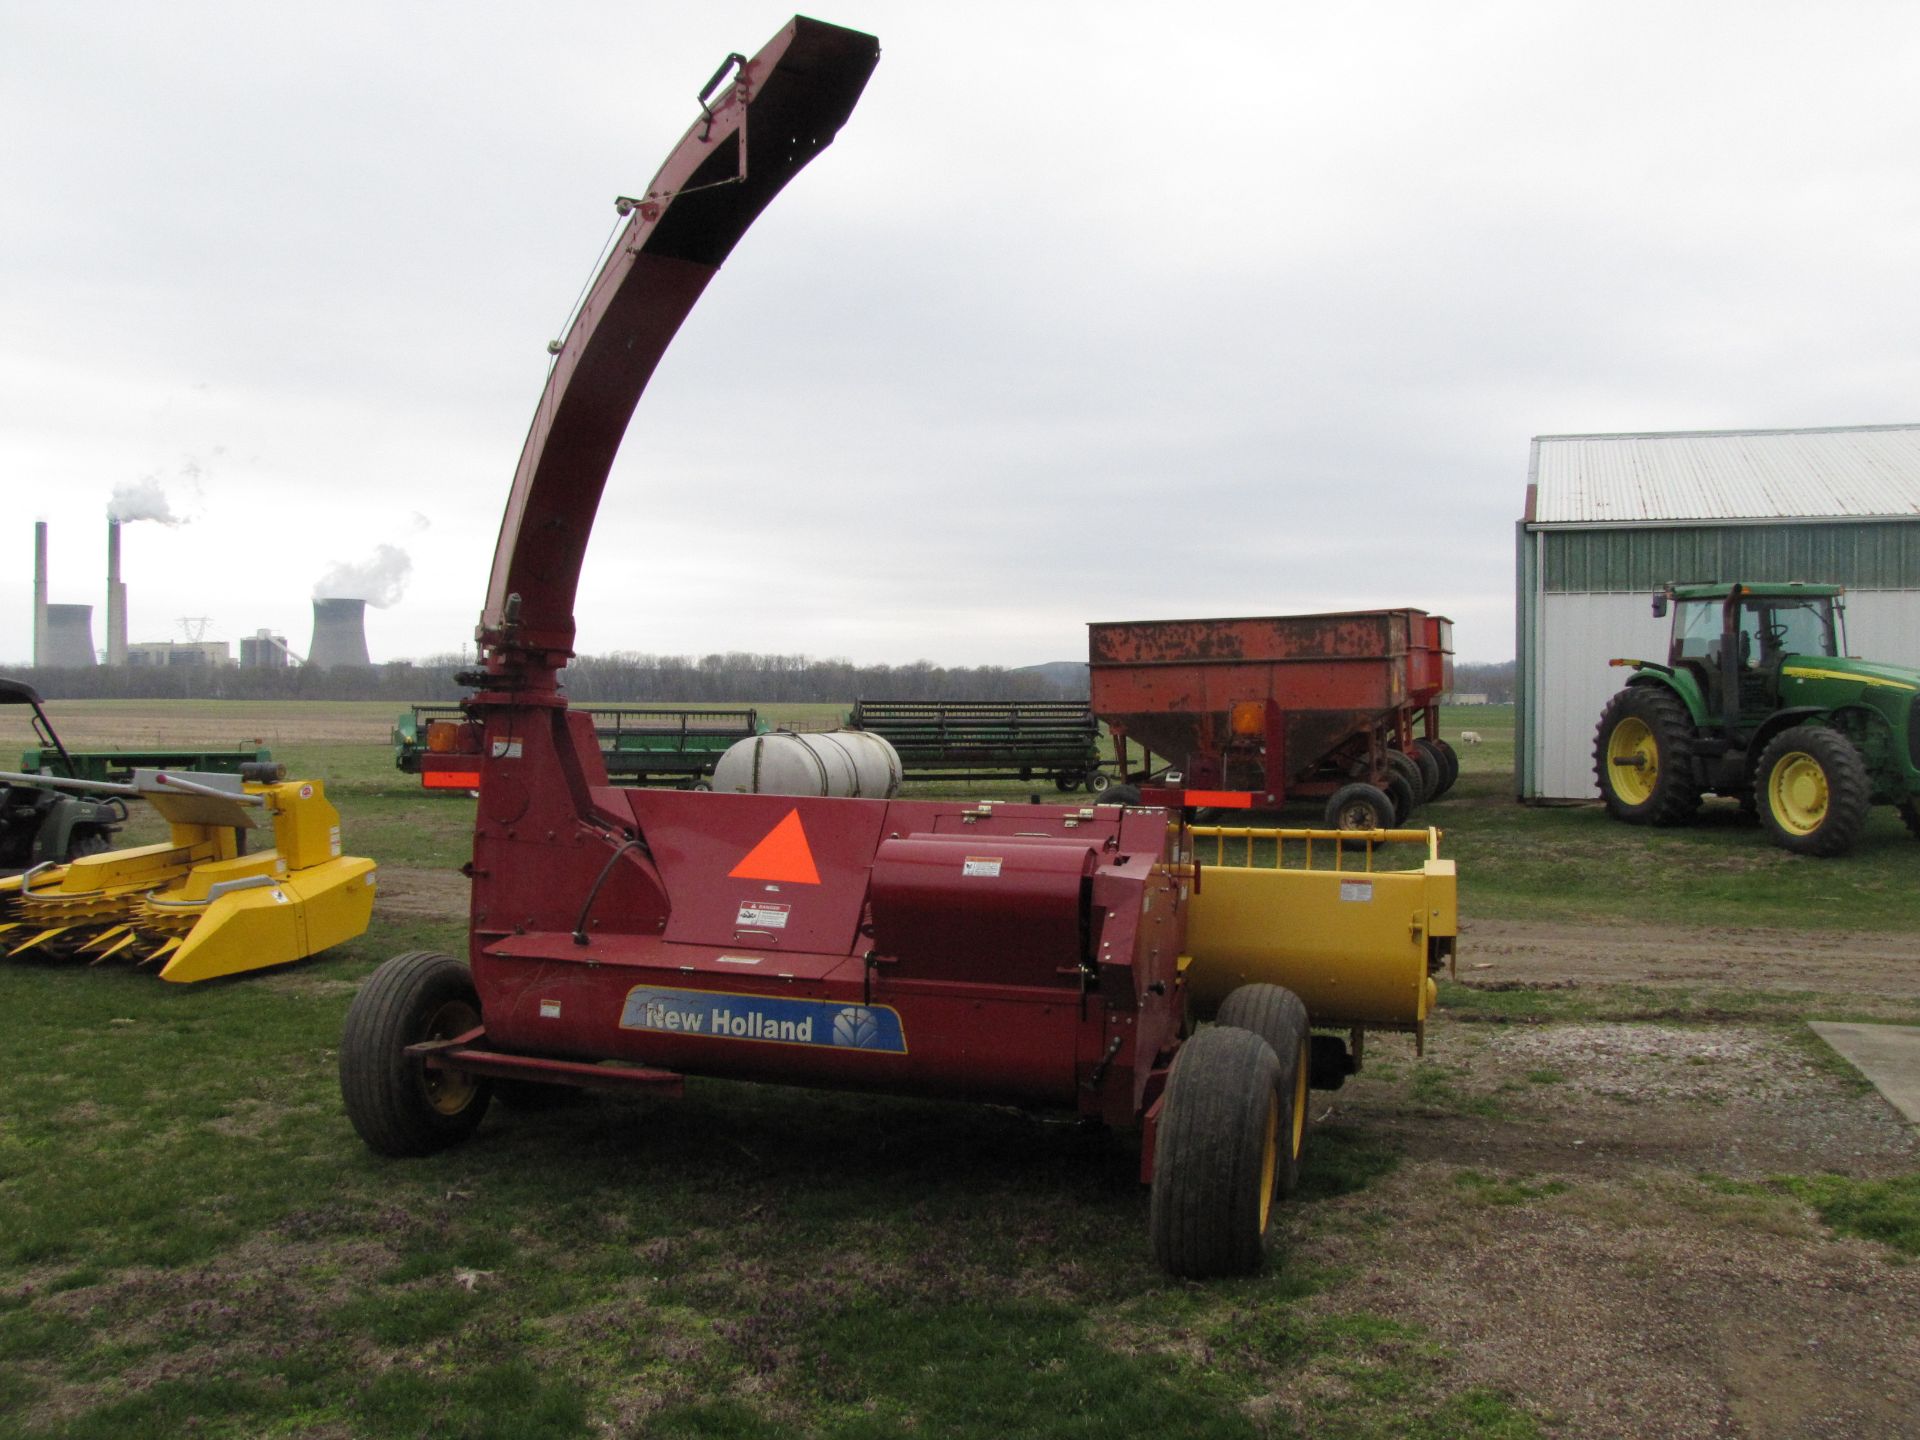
116 599
40 655
69 637
339 634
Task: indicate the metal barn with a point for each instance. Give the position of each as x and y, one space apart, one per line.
1611 518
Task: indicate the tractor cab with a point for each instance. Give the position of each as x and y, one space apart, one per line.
1733 640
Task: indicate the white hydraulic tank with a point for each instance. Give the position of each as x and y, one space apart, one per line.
825 762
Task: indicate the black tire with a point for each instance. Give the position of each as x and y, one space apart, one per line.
1359 807
1643 757
1119 795
1408 770
1214 1156
1401 794
1064 782
399 1106
1449 762
1432 772
1910 817
1279 1017
1813 791
1096 781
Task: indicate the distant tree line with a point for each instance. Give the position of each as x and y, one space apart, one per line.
1495 681
735 678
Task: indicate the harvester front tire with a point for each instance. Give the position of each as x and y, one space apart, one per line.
399 1107
1216 1156
1359 806
1814 792
1643 757
1279 1017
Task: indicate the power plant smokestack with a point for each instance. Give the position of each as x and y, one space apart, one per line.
69 637
40 653
116 598
339 634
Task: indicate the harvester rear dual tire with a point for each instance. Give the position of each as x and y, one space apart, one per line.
1279 1017
1216 1156
1813 791
1643 757
400 1107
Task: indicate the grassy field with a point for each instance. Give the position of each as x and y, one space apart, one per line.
192 1241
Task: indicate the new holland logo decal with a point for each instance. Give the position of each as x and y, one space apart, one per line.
771 1020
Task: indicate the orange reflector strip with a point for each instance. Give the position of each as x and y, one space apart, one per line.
1219 799
450 779
783 856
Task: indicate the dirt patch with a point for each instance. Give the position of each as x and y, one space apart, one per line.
1581 1211
1545 952
417 891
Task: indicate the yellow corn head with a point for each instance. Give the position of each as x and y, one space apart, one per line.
206 903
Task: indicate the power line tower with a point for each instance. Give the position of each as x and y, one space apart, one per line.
194 627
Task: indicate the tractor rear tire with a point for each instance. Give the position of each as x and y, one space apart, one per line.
1216 1156
1813 789
1359 806
400 1107
1408 769
1449 762
1643 758
1278 1017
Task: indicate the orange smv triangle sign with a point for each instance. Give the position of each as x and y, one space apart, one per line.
784 855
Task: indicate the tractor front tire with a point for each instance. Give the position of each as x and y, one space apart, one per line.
1216 1156
398 1105
1279 1017
1359 806
1813 790
1643 758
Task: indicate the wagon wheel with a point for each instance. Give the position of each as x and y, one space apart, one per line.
1432 773
1064 780
1217 1156
399 1106
1408 769
1359 806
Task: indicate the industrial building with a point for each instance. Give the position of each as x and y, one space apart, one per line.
162 654
1609 519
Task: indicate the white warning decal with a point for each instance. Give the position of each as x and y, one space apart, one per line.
987 865
1361 890
759 915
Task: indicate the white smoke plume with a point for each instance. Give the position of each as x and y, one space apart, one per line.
380 579
142 500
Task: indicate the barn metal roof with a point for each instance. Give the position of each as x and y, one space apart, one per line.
1853 472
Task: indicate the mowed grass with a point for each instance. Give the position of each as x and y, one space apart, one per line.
192 1240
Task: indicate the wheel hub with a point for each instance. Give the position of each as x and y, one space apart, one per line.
1633 761
1798 789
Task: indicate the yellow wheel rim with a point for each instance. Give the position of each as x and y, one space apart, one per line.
1797 793
1302 1072
1633 761
449 1091
1269 1160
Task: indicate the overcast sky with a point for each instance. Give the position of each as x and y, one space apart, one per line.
1094 311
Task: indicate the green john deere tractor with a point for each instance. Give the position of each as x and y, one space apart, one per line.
1759 700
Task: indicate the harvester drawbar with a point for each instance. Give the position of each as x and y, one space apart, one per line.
626 938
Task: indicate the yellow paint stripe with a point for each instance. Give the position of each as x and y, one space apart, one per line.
1805 672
